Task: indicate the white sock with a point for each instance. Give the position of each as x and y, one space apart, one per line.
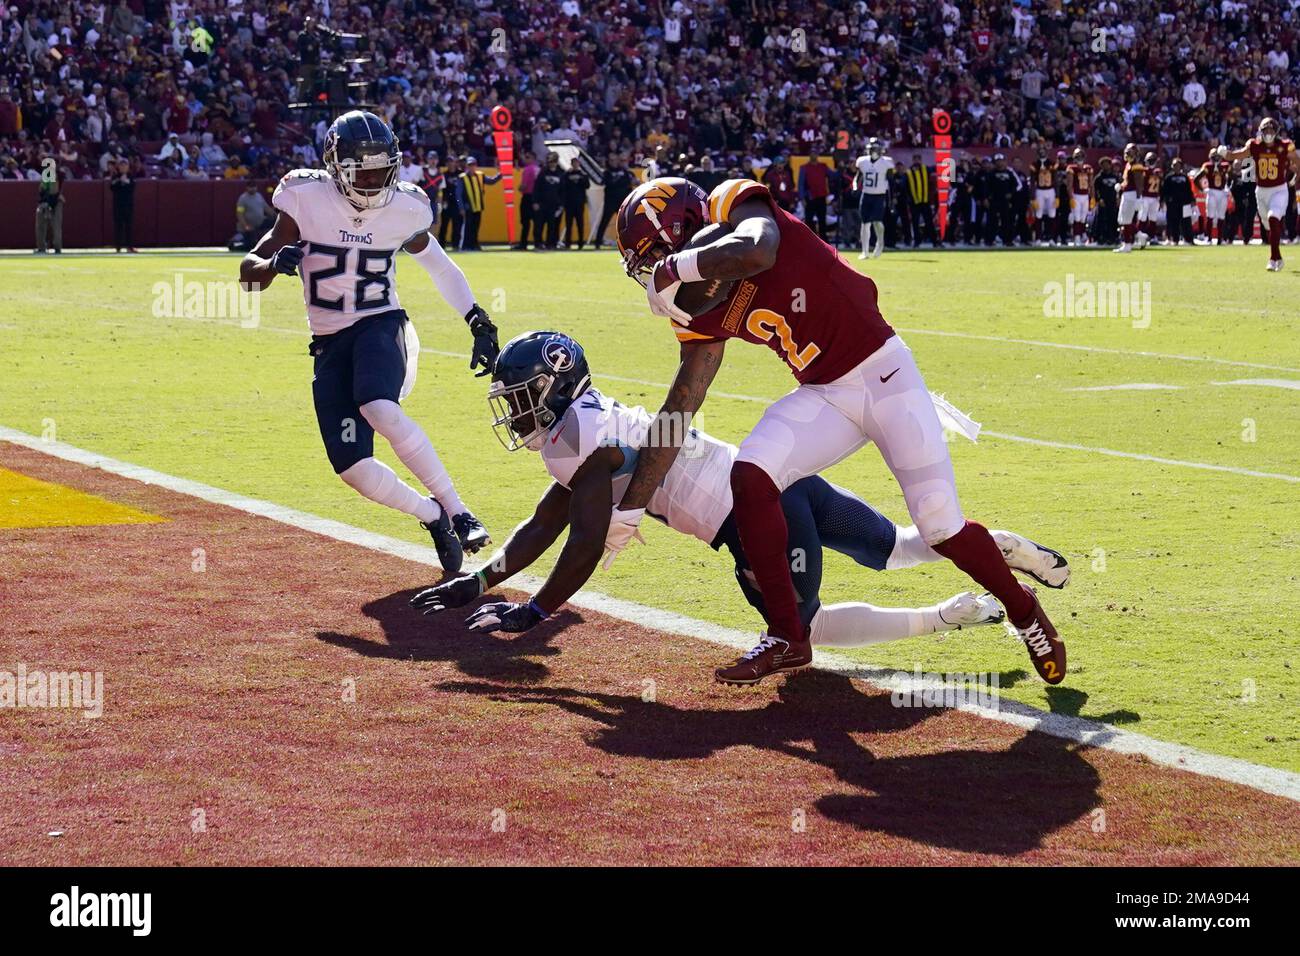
910 550
864 237
372 478
878 246
415 450
857 625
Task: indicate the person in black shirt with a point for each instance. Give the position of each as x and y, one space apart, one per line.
1105 224
1002 188
706 176
898 227
1020 204
1176 193
618 182
452 214
961 216
1243 202
979 194
576 184
548 194
122 186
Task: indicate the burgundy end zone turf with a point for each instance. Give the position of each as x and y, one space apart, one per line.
224 694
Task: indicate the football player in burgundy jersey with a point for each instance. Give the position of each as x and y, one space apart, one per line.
1129 207
1080 173
858 383
1152 178
1044 170
1275 161
1213 176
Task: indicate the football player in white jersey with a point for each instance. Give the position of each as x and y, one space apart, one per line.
542 399
873 182
341 228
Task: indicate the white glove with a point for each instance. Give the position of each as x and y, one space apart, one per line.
623 527
662 302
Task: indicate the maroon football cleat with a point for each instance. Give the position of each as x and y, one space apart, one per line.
771 655
1046 649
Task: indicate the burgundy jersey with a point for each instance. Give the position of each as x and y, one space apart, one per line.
1134 176
811 308
1080 178
1044 174
1215 174
1272 160
1155 176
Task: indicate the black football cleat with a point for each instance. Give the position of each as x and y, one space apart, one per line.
445 541
473 536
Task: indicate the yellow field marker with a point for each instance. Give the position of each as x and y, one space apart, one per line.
30 503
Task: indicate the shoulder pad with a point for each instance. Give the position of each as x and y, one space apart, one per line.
295 176
727 194
414 190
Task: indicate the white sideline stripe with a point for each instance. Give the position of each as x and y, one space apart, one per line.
1264 382
1204 466
1130 387
1005 436
1077 729
1096 348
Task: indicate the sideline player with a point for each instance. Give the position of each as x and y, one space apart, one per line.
1044 170
858 383
1130 184
542 399
340 228
1080 174
1213 177
1275 160
873 181
1153 179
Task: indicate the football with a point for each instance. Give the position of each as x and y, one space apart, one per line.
696 298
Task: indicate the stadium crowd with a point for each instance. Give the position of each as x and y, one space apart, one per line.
198 89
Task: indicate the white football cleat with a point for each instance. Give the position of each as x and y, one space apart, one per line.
971 610
1125 247
1049 568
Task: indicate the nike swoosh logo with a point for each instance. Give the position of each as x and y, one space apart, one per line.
556 436
886 378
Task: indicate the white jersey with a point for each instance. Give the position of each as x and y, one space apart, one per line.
695 496
873 173
349 267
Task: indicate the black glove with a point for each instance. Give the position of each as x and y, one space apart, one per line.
504 616
287 259
454 593
486 348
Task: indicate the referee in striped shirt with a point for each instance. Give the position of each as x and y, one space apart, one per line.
920 191
471 185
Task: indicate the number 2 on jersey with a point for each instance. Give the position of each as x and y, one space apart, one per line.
764 323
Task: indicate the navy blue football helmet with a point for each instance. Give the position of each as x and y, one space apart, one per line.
362 156
537 376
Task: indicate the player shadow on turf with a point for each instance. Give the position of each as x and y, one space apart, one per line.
411 636
1069 702
1002 802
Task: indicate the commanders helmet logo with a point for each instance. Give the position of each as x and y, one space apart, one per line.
656 196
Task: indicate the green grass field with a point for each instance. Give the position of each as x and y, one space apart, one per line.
1186 580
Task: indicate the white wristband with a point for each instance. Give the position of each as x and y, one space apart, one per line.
688 265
